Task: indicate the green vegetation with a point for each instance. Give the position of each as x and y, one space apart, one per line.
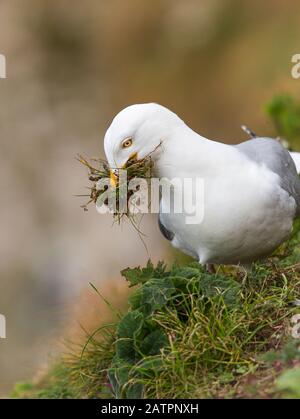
191 334
117 197
284 111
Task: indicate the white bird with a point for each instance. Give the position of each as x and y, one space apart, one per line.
251 190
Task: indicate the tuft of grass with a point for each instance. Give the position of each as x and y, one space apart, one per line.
118 197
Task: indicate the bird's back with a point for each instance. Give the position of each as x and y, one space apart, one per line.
269 152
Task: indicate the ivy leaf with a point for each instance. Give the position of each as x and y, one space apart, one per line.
118 376
130 325
127 333
212 286
139 275
188 272
155 294
153 343
134 391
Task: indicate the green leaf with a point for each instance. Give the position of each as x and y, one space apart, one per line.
125 349
153 343
188 272
155 294
214 285
135 299
134 391
118 376
139 275
130 325
121 377
128 330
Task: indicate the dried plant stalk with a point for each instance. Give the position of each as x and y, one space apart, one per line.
98 169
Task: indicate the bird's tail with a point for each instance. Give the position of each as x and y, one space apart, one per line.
296 157
248 131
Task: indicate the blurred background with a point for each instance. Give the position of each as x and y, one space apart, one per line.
70 69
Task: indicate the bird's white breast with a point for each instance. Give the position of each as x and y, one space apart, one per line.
246 216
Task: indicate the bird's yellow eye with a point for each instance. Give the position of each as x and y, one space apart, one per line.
127 143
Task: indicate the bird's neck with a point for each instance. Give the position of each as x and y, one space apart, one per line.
185 153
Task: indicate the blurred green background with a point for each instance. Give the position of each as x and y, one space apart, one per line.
71 67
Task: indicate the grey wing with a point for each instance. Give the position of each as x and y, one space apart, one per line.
271 153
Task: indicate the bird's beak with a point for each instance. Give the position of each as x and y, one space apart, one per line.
132 157
113 179
113 173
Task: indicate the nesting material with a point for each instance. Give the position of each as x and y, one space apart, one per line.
98 169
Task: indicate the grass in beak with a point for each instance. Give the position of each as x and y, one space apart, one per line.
98 169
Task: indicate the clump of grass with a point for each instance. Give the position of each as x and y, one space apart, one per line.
98 169
94 175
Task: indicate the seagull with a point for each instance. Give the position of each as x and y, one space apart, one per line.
251 191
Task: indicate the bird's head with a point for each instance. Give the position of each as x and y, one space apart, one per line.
136 132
